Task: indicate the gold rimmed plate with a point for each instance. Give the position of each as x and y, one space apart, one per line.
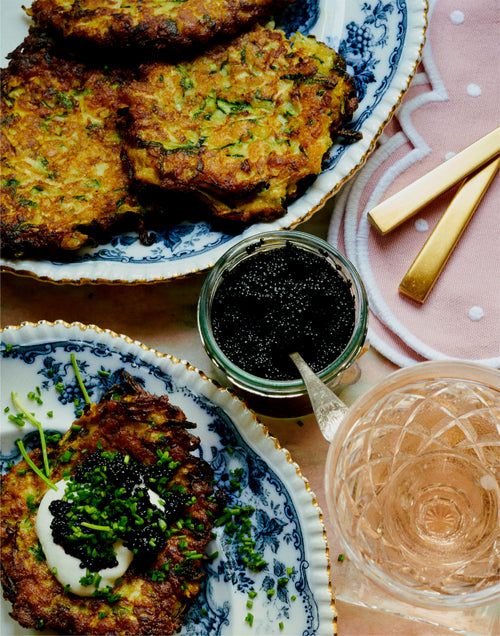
287 525
382 44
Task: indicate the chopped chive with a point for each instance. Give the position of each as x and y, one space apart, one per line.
53 438
94 526
35 396
79 378
18 419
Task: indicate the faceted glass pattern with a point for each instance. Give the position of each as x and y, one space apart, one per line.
415 488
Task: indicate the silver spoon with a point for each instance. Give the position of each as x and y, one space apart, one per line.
327 406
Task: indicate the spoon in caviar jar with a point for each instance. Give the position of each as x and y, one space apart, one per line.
327 406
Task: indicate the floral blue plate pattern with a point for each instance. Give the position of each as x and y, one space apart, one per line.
287 524
382 43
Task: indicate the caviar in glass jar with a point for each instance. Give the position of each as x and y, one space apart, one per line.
278 301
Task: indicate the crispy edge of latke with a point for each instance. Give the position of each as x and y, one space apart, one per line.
188 33
21 236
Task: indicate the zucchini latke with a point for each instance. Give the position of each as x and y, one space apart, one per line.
91 148
241 126
63 180
168 25
131 443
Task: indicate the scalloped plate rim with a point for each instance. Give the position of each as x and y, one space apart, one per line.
244 420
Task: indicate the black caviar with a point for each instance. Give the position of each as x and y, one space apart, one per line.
107 500
278 301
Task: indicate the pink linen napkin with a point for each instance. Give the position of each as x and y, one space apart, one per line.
454 100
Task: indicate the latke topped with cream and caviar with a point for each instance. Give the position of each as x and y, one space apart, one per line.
130 494
171 25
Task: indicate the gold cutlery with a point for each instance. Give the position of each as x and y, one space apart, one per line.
425 269
401 206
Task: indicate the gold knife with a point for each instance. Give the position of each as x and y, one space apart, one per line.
401 206
431 259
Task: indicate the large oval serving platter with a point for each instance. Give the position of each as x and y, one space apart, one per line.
381 41
287 524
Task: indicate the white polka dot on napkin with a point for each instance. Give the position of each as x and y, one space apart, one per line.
457 17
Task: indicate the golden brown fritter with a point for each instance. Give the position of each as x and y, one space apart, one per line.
142 426
62 175
242 125
163 25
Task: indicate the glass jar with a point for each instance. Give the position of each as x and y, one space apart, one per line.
282 398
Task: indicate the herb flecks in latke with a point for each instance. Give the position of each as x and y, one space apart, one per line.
242 125
168 25
62 174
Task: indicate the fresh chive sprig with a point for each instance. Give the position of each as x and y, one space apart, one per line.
18 404
33 466
79 378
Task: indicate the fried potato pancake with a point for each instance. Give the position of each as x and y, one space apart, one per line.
142 426
242 125
159 24
62 174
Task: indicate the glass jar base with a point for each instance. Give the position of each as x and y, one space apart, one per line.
286 408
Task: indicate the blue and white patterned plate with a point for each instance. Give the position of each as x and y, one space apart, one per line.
382 43
287 523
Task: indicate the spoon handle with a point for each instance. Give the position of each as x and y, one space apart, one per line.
327 406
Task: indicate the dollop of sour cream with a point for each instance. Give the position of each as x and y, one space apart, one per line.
68 569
